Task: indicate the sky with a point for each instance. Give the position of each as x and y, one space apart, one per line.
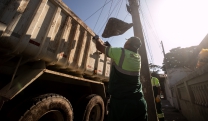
177 23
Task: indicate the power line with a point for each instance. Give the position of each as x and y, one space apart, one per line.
99 15
119 2
109 16
125 17
110 9
146 38
123 20
96 11
149 55
109 13
146 20
154 31
117 15
119 8
151 18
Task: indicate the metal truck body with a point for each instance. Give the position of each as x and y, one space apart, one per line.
45 48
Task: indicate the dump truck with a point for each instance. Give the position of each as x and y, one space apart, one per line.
50 69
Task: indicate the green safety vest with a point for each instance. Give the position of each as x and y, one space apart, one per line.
125 61
155 82
124 81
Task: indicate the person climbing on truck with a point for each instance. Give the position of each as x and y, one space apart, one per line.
127 101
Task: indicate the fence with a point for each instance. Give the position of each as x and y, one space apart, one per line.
190 95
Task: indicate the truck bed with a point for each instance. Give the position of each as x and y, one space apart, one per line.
48 30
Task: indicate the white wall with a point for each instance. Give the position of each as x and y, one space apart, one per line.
173 76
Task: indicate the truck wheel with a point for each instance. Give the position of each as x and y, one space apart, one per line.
49 107
90 109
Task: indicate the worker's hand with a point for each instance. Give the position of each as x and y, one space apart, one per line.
97 40
107 44
96 37
157 98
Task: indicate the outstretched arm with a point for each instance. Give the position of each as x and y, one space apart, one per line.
100 45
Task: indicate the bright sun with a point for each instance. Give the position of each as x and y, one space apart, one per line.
182 23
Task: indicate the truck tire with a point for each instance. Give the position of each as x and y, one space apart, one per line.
90 109
49 107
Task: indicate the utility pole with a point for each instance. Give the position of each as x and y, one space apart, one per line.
163 49
145 72
164 57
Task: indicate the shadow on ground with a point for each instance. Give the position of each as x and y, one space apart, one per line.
171 113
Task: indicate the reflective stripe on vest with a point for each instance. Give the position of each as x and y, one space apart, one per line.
119 66
160 115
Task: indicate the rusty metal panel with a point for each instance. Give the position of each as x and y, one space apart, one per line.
48 30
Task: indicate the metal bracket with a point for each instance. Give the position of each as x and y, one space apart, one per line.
15 71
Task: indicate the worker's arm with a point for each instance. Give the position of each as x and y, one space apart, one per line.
100 45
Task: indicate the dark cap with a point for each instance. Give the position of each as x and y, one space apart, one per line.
135 42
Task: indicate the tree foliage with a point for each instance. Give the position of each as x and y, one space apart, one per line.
154 68
181 57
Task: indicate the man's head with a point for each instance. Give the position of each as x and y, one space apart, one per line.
154 74
133 43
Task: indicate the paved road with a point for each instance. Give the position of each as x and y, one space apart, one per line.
171 113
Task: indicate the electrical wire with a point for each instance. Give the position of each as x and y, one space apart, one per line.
123 20
125 17
117 15
151 27
110 9
117 12
96 11
144 27
146 38
99 15
151 18
119 8
109 15
154 31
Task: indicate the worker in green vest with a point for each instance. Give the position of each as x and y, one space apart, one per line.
127 102
156 89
